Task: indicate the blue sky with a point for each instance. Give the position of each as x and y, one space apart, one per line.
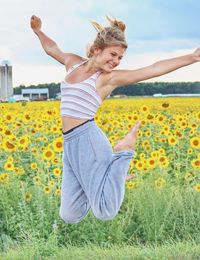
155 30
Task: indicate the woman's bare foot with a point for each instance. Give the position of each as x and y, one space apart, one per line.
129 141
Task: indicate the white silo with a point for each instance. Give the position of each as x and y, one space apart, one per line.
6 86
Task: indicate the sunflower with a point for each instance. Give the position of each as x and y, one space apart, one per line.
27 117
190 151
161 151
144 109
188 176
149 117
57 192
155 154
8 133
195 163
197 116
47 189
142 155
160 182
9 146
136 117
195 142
148 133
48 154
172 140
197 187
18 171
36 180
151 163
194 126
165 105
9 166
4 177
148 148
10 159
140 165
51 183
145 142
58 145
28 196
191 133
183 124
34 151
132 185
23 141
55 129
56 172
34 166
163 161
55 161
8 118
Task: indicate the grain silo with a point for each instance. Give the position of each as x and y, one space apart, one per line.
6 86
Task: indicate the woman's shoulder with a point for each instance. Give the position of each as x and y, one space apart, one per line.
72 60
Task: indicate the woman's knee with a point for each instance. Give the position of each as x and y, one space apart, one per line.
70 216
102 215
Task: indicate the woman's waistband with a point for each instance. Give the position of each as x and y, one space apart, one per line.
78 130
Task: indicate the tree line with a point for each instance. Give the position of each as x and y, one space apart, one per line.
138 89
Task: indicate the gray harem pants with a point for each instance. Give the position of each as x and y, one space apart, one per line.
93 176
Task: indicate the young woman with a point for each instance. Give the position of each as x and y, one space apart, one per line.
94 174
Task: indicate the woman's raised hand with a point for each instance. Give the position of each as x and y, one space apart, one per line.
36 23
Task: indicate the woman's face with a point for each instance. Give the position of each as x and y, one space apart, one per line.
109 58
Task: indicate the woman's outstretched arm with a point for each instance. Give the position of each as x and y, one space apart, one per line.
126 77
50 47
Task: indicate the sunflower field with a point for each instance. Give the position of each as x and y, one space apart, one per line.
162 201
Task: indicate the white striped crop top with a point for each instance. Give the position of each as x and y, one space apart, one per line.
80 100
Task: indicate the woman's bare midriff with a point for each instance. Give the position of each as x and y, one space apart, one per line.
69 123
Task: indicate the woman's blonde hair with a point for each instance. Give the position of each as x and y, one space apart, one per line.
108 36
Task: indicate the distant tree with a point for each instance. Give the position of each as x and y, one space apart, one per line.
138 89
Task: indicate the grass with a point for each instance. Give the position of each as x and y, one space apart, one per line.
187 251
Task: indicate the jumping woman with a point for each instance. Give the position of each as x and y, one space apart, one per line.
94 174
